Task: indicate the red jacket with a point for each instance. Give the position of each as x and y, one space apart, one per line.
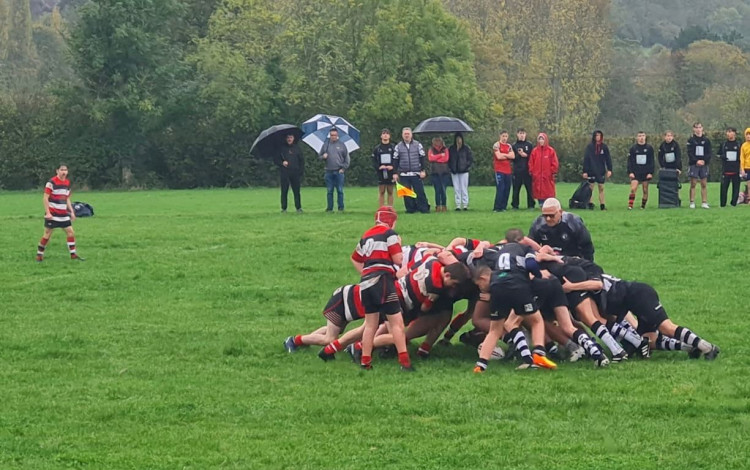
543 167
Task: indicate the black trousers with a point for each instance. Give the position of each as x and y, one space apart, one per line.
519 180
290 179
725 180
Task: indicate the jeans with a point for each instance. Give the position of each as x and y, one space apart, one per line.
461 189
334 179
440 182
503 183
419 203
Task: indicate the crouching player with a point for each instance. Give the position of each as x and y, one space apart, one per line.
375 256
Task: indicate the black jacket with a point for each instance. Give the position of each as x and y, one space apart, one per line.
673 150
521 164
597 161
460 160
729 152
695 142
641 168
570 237
293 155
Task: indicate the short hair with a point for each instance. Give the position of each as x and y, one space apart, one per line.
406 129
385 130
669 131
641 132
503 132
731 129
697 123
479 271
458 272
334 130
514 235
520 129
552 203
61 165
436 140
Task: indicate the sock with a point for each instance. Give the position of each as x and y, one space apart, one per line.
665 343
687 336
522 347
643 202
403 359
456 324
602 332
588 345
424 349
366 361
631 198
551 348
622 332
332 348
41 247
72 247
602 206
482 364
298 340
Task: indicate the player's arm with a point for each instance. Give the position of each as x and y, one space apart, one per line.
530 243
45 203
446 257
458 241
590 285
359 266
71 211
542 256
358 261
429 245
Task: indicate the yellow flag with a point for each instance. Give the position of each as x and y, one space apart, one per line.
403 191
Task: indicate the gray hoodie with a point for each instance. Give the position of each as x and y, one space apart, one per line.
338 156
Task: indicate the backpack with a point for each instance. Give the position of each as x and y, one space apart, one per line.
581 196
83 209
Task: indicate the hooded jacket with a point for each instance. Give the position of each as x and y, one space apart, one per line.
596 160
293 156
696 145
461 159
543 166
670 155
745 153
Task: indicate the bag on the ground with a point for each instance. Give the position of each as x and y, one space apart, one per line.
581 196
83 209
669 188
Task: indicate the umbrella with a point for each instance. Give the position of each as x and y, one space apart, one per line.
442 125
317 127
271 139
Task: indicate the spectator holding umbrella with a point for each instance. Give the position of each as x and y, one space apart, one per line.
411 155
291 165
438 156
543 167
460 160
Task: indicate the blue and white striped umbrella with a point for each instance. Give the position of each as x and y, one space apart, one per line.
316 131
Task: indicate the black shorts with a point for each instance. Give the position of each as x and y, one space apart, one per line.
49 223
575 274
379 294
387 181
342 307
597 179
642 177
643 301
511 295
549 295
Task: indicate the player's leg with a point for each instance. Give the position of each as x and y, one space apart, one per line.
535 323
429 326
43 242
579 336
644 192
602 202
631 196
320 337
72 243
381 194
389 190
629 337
704 190
684 335
372 319
350 337
397 329
489 343
588 314
693 182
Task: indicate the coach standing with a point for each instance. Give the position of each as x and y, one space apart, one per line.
565 232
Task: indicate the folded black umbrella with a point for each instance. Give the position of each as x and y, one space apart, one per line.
271 139
442 125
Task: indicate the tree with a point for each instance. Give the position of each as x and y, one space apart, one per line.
20 48
4 28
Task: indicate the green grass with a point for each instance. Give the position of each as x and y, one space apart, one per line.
163 349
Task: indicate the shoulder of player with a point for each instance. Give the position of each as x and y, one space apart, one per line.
572 220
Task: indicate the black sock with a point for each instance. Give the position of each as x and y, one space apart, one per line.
482 363
687 336
588 344
522 347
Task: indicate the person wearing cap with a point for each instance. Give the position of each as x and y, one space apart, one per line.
729 153
384 161
565 232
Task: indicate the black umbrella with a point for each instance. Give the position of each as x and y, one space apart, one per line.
271 139
442 125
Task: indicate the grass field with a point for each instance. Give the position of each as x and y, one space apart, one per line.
164 349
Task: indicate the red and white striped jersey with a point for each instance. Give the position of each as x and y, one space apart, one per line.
376 250
59 192
422 285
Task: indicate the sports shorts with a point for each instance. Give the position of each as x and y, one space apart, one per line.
643 301
49 223
549 295
379 294
698 172
511 295
345 305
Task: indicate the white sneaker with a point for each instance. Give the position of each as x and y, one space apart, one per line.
692 205
705 205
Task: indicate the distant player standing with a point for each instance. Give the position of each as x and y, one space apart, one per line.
58 212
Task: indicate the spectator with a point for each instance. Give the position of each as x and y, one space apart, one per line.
597 166
410 155
745 164
460 161
699 156
502 154
336 156
729 153
670 154
565 232
543 167
384 161
438 156
291 168
521 177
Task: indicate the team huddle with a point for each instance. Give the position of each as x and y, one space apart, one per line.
542 294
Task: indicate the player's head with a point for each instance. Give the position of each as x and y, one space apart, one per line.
514 235
641 137
385 136
454 274
481 276
386 215
669 136
552 211
521 134
62 171
731 133
698 129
